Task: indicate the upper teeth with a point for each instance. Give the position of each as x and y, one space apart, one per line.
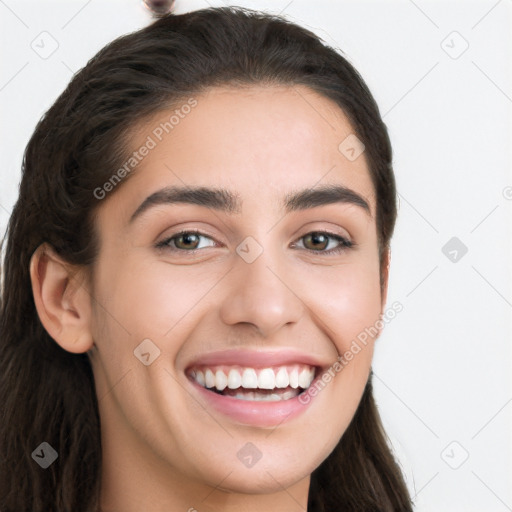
252 378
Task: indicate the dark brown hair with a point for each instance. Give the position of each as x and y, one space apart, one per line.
48 394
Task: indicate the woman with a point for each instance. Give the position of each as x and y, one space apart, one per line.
199 249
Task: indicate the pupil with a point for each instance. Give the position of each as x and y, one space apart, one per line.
318 237
188 238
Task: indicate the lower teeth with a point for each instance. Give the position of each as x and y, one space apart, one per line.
274 395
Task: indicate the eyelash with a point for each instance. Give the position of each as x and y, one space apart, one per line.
344 243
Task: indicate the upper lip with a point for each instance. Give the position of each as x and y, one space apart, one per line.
256 358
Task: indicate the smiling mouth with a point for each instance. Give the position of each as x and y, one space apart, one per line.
269 384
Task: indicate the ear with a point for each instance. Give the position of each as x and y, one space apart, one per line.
62 300
384 272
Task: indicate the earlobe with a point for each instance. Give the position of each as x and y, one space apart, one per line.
62 300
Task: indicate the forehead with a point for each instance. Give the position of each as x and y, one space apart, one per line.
261 141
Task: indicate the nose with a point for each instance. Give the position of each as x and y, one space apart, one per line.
261 293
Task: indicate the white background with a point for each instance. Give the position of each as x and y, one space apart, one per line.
443 365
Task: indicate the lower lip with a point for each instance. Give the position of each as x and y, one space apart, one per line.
251 412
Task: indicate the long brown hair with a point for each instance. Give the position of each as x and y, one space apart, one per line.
46 393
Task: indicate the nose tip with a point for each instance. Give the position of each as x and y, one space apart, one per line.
159 7
261 296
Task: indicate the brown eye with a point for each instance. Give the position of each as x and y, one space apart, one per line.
316 240
186 241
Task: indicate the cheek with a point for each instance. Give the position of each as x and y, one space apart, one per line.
354 311
146 298
359 307
347 300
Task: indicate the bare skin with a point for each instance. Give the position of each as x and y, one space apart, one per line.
164 446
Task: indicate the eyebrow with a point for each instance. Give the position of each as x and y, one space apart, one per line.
228 202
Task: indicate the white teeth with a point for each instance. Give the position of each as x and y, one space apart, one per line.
267 379
200 378
261 397
282 380
221 381
288 394
209 378
305 378
249 379
294 378
234 379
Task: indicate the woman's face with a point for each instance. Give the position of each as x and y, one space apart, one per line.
263 292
